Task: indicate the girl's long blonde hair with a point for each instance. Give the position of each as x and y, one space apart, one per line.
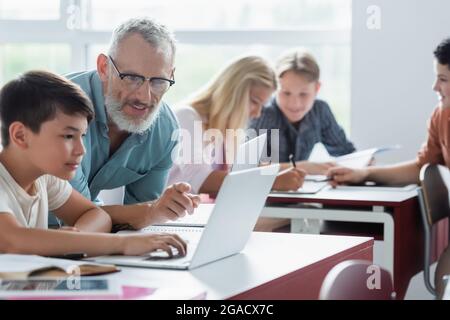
223 102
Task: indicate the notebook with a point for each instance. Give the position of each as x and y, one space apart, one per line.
91 288
59 288
356 160
249 153
366 188
308 187
227 231
17 266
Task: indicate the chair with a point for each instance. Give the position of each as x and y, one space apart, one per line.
434 207
357 280
442 270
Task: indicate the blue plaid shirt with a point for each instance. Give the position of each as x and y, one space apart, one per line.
318 125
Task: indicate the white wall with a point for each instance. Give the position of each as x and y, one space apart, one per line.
392 72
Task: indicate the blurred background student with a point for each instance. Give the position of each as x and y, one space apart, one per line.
302 119
435 149
234 96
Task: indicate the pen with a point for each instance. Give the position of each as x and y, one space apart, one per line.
71 256
291 158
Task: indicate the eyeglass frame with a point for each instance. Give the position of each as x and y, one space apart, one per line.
149 79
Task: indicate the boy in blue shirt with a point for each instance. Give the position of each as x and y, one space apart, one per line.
301 118
43 119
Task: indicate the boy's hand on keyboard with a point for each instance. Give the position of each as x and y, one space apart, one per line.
139 244
174 203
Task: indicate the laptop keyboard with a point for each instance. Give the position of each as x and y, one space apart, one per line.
172 229
188 234
162 255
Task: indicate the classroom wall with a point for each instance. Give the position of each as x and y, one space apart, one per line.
392 72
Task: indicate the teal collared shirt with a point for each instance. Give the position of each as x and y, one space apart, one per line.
141 163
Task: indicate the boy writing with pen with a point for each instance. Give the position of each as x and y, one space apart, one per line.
301 119
43 120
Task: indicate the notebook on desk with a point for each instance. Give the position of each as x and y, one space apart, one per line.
20 266
365 188
308 187
356 160
228 229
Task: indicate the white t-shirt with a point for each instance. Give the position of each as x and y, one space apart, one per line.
201 159
32 211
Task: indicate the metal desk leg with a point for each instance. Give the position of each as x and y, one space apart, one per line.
344 215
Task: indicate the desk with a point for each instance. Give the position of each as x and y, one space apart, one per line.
272 266
398 211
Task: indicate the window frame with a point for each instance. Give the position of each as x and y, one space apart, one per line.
56 31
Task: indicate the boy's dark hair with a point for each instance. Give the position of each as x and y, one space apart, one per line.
35 97
442 53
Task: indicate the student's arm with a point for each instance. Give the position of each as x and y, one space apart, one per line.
310 167
82 214
400 174
213 182
17 239
173 204
315 167
289 180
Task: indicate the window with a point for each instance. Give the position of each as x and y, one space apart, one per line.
231 14
205 61
29 10
18 58
70 33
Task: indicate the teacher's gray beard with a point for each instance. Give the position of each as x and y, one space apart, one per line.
114 110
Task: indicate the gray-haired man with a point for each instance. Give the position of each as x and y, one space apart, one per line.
129 142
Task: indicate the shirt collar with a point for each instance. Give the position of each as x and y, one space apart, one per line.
99 99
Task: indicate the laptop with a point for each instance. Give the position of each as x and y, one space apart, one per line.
238 204
249 153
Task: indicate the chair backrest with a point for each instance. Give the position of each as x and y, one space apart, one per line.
434 206
433 180
442 271
357 280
